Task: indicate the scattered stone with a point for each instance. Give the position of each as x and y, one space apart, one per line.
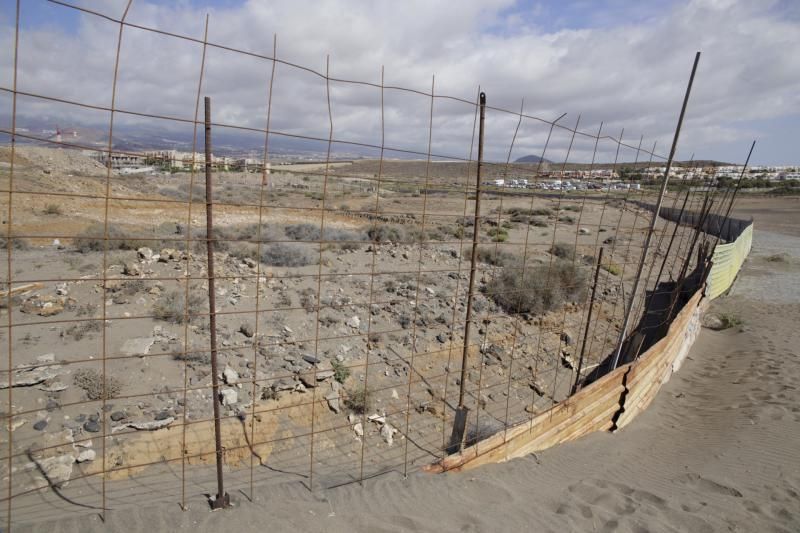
26 376
140 346
567 339
246 329
353 322
230 376
152 425
145 254
86 455
92 426
333 401
585 231
322 375
116 416
358 429
40 425
44 305
387 432
131 269
229 397
57 469
712 321
441 337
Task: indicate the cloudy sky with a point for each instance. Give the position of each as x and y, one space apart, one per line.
624 63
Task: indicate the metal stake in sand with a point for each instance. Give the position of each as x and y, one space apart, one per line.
624 330
222 499
588 322
460 422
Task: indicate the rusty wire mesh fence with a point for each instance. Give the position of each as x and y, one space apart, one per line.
341 284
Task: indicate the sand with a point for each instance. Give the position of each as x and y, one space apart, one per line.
717 450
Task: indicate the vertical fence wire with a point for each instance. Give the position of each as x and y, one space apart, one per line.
104 378
415 315
9 275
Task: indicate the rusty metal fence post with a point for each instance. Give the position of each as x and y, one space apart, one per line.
460 422
645 248
222 499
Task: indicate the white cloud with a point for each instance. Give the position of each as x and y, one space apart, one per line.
628 75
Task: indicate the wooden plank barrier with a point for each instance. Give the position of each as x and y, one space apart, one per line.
609 403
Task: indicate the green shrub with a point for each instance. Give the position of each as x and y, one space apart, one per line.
340 371
612 268
730 321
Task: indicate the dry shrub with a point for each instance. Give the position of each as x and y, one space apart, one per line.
171 307
284 255
542 288
563 250
359 401
91 382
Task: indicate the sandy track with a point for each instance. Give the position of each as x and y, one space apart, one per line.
717 451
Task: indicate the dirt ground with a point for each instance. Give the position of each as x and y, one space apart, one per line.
301 335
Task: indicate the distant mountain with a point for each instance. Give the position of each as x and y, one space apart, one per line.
532 159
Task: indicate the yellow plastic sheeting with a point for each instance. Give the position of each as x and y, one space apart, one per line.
728 259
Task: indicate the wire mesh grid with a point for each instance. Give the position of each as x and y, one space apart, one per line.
341 286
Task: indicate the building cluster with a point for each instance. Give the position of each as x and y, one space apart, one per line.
173 161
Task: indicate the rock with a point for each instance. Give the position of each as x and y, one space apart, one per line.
387 432
44 305
92 426
116 416
247 330
61 289
230 376
333 401
441 337
86 455
430 291
40 425
153 424
609 240
353 322
163 415
585 231
567 339
57 469
52 386
131 269
307 379
145 254
25 376
140 346
52 405
310 359
358 429
712 321
249 262
229 397
322 375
